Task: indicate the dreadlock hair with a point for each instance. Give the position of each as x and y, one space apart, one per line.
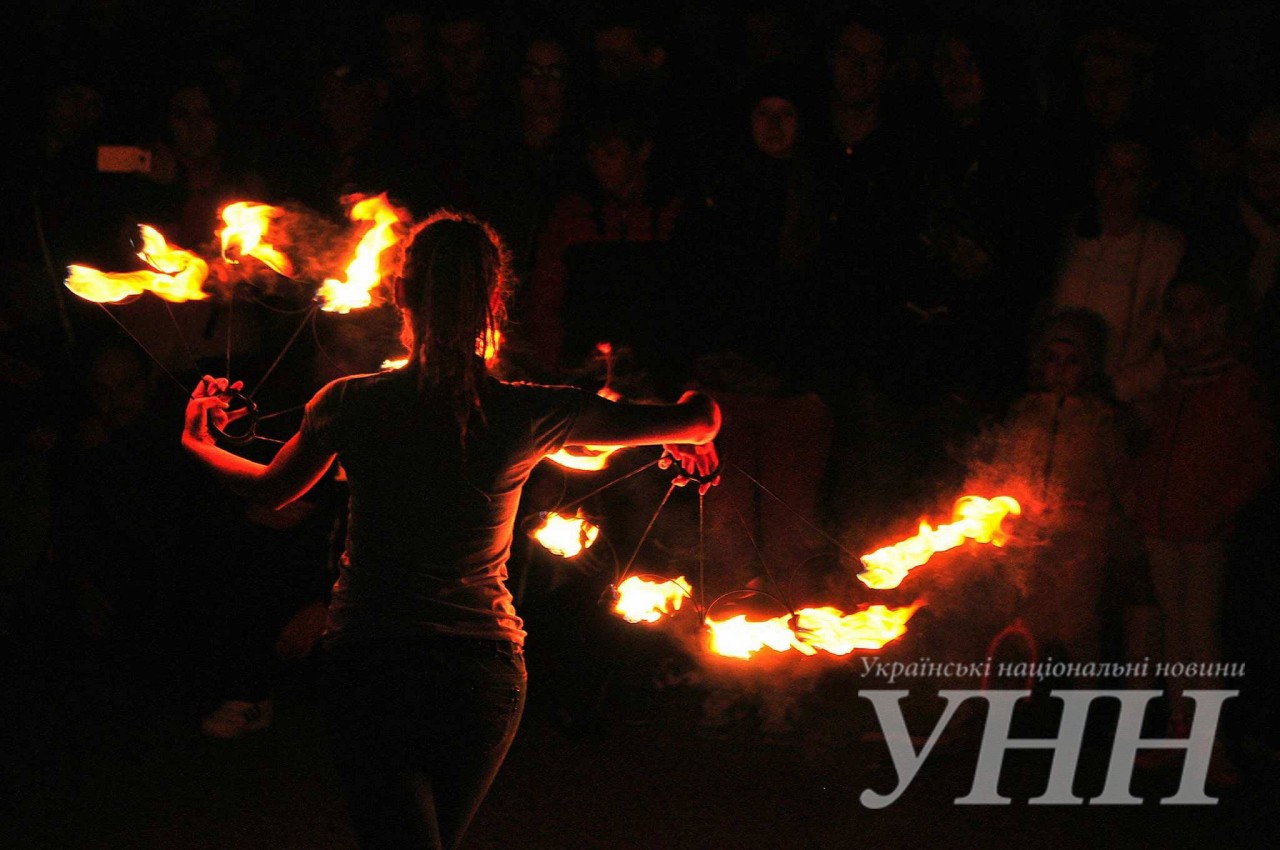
452 296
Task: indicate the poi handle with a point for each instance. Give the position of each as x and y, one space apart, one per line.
250 407
693 476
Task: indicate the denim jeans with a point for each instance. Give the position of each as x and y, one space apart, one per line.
418 728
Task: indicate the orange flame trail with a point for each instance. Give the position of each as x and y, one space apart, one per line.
566 536
363 273
178 274
644 601
974 518
816 629
245 228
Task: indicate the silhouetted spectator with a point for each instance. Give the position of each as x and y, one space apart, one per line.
412 70
198 167
747 251
1248 253
472 116
868 170
1061 449
1211 450
635 61
356 149
1118 264
988 242
544 155
135 531
601 270
1108 87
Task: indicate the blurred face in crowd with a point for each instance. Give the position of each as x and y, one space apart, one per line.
859 64
1122 180
119 388
617 165
620 56
1062 367
406 45
775 124
349 106
192 124
1192 324
770 36
955 69
542 78
1108 82
74 110
1262 163
463 48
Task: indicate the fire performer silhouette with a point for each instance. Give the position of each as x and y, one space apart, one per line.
425 676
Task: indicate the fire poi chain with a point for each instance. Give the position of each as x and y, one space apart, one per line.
810 630
178 275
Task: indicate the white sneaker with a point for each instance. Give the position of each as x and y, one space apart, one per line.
234 718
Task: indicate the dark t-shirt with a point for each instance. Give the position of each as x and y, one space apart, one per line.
431 523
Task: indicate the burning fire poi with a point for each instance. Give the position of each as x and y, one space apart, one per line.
824 629
566 536
643 601
244 229
363 273
974 518
178 275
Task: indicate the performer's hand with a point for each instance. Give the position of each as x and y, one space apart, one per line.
300 634
696 460
208 400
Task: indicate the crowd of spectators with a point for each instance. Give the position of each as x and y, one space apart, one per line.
882 235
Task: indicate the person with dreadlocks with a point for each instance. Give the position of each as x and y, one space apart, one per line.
425 676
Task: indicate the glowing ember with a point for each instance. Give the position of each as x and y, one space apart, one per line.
178 274
363 273
395 363
245 227
566 536
816 629
644 601
974 518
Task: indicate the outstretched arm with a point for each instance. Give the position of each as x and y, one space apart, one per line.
684 429
292 472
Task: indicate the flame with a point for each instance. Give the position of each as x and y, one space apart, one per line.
177 276
488 346
363 274
738 637
837 633
566 536
246 226
589 458
825 629
583 458
974 518
641 600
490 353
